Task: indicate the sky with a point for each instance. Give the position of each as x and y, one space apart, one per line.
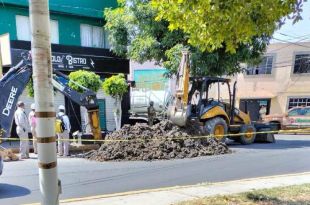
298 32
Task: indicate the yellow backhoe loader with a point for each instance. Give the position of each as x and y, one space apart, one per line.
217 117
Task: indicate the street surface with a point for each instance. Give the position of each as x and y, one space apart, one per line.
80 178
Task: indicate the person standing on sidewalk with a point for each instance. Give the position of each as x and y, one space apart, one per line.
63 138
33 122
22 128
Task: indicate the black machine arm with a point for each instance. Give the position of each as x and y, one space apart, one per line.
87 99
14 82
12 86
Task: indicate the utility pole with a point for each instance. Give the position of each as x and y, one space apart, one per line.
44 101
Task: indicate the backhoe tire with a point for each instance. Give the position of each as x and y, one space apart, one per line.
248 134
216 126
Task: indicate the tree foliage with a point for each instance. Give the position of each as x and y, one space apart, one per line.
86 79
135 34
115 86
216 24
30 89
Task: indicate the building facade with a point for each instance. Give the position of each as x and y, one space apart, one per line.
76 33
281 81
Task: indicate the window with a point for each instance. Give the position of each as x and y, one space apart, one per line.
263 68
23 28
302 63
297 102
94 36
24 31
299 112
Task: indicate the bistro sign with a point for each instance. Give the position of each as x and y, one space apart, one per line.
73 58
67 61
60 61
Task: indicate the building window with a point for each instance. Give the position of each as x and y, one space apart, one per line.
93 36
263 68
298 102
24 31
302 63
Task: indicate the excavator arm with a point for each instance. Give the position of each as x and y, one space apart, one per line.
178 112
14 82
87 99
12 86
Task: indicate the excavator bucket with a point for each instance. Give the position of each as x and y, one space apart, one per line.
94 122
177 116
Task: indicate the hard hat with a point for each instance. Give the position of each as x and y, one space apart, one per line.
61 107
20 103
33 106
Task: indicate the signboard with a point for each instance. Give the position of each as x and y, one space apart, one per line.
73 62
5 49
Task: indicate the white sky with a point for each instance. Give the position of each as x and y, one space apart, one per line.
298 32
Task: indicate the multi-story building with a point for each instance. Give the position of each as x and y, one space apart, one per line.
76 32
281 81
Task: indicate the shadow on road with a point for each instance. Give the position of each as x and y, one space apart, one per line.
279 144
10 191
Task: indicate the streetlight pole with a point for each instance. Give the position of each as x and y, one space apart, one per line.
44 101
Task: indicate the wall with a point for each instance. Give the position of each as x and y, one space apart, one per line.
68 26
282 83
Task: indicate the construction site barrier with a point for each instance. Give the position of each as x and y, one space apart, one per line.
304 130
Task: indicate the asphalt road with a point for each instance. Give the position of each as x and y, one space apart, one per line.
80 178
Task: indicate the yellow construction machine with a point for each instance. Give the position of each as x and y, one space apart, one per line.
218 117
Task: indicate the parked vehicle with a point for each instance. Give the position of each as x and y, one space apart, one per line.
295 118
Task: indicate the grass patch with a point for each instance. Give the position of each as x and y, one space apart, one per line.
291 195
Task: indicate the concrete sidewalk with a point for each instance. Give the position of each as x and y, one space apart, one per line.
172 195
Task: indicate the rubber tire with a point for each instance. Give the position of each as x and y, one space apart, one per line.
210 125
244 140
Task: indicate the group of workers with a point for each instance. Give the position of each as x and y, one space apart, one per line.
26 124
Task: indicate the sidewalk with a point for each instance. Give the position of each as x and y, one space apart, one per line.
167 196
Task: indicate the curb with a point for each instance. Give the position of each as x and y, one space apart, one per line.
122 194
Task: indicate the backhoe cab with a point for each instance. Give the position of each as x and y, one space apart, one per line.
217 117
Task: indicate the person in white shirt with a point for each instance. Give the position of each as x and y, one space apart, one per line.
63 143
33 122
22 128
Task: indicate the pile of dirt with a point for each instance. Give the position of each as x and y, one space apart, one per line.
8 155
161 141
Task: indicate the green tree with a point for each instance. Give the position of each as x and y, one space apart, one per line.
214 24
135 34
86 79
29 88
116 87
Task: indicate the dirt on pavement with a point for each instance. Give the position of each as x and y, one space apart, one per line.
161 141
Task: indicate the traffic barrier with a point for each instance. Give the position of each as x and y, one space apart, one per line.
172 138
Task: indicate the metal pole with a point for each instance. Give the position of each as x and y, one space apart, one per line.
44 101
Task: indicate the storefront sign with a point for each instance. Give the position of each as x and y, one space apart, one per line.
73 62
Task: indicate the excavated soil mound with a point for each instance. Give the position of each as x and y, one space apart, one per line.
161 141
